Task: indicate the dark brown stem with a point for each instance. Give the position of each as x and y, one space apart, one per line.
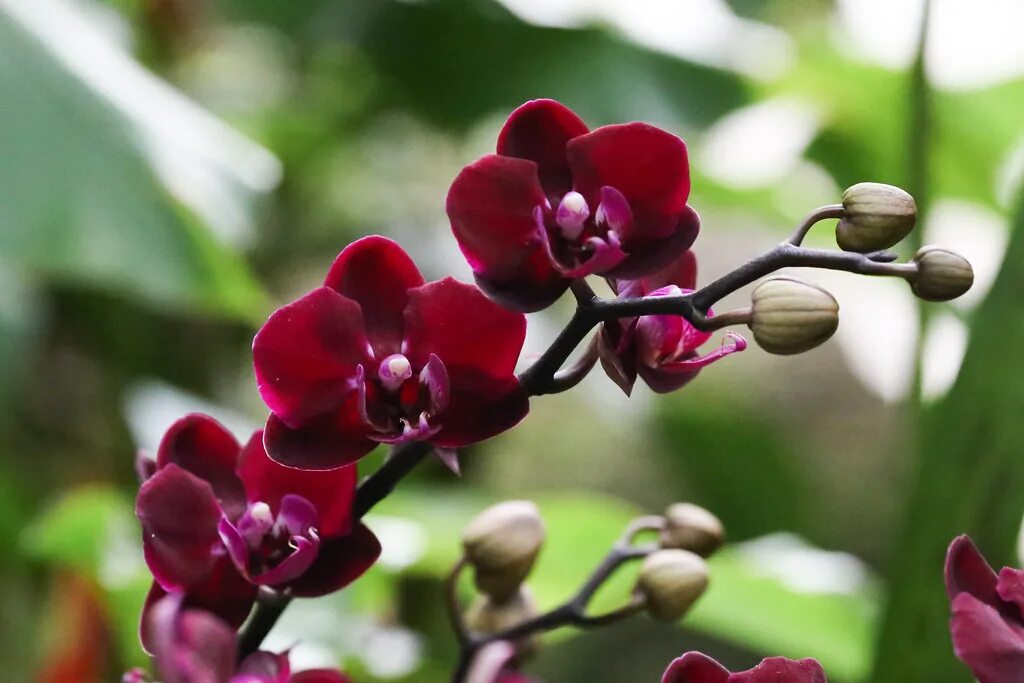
592 310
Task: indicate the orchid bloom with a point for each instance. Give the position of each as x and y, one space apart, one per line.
378 356
559 202
193 646
220 520
988 614
695 667
660 349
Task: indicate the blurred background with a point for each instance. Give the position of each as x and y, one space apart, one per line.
172 170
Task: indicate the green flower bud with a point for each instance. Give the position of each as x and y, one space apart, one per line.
691 527
486 615
876 217
502 543
671 581
792 316
941 274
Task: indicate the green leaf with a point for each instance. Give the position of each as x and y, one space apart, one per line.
969 479
80 202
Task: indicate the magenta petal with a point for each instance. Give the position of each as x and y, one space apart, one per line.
482 406
238 549
331 491
264 667
986 642
320 676
539 131
201 445
324 444
651 255
463 328
434 377
695 667
968 572
340 561
614 213
1011 587
376 273
646 164
190 645
179 516
297 514
296 564
491 205
782 670
306 355
668 377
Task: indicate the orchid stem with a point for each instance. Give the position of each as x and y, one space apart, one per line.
591 310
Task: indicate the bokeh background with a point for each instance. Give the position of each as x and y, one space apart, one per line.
171 170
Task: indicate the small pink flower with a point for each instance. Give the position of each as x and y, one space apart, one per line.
988 614
660 349
559 201
220 520
694 667
193 646
378 356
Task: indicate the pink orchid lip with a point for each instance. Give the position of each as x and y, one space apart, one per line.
433 395
272 550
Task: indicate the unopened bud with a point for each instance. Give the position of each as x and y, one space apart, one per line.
875 217
486 616
792 316
691 527
941 274
502 543
671 581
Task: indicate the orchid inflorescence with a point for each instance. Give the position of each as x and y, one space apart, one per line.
377 355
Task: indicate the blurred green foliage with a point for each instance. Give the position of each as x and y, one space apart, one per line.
108 278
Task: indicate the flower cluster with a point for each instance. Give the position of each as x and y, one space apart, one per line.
378 355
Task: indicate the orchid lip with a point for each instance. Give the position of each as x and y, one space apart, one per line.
393 371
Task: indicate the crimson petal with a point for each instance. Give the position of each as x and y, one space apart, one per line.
967 571
189 644
306 355
204 447
695 667
481 406
179 516
1011 587
376 273
491 205
650 255
782 670
340 562
681 272
331 491
464 328
620 366
646 164
539 131
327 443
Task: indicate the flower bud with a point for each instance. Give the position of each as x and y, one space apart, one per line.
487 615
671 581
941 274
875 217
691 527
502 543
792 316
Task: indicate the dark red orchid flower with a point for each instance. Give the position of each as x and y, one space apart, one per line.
660 349
559 202
378 356
694 667
988 614
220 520
193 646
